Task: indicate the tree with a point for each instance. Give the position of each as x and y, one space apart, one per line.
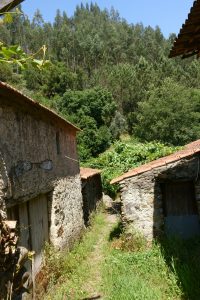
97 49
92 110
171 114
13 54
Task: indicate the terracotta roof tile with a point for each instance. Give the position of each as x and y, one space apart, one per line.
88 172
193 145
189 150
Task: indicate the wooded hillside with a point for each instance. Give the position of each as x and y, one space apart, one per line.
108 76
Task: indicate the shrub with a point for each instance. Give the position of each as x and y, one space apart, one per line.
123 156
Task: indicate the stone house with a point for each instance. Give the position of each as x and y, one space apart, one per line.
163 195
40 184
91 191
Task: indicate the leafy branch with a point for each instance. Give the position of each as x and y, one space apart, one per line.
14 54
8 16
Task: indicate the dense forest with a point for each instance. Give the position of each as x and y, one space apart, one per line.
108 77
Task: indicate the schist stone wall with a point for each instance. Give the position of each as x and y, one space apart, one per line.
92 195
38 156
67 213
141 196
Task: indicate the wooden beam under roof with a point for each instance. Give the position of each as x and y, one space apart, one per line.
188 41
7 5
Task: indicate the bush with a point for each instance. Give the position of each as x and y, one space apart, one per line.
123 156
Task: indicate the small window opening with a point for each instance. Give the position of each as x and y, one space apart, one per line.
58 142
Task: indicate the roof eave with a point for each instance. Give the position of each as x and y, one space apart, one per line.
14 91
7 5
187 42
187 152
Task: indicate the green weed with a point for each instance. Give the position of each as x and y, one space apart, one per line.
132 242
141 275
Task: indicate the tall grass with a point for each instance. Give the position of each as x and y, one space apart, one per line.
170 269
183 259
130 268
141 275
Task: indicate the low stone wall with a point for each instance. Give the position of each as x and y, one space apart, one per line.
141 196
66 212
92 195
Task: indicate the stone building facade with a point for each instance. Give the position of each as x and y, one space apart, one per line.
91 191
40 184
163 196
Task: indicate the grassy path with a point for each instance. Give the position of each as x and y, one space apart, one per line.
100 267
84 279
92 286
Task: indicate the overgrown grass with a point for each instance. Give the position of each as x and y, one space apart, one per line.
65 271
135 270
141 275
183 259
169 269
127 241
130 268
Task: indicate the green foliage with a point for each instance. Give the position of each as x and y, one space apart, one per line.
96 103
6 72
57 79
92 110
7 16
170 114
16 56
94 51
123 156
118 125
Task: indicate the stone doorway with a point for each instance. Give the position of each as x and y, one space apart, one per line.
181 216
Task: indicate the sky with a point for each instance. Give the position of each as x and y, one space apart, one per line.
169 15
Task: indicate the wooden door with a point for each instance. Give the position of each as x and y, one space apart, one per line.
24 226
38 218
180 209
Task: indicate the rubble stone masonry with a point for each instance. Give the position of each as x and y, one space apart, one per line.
38 156
141 196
